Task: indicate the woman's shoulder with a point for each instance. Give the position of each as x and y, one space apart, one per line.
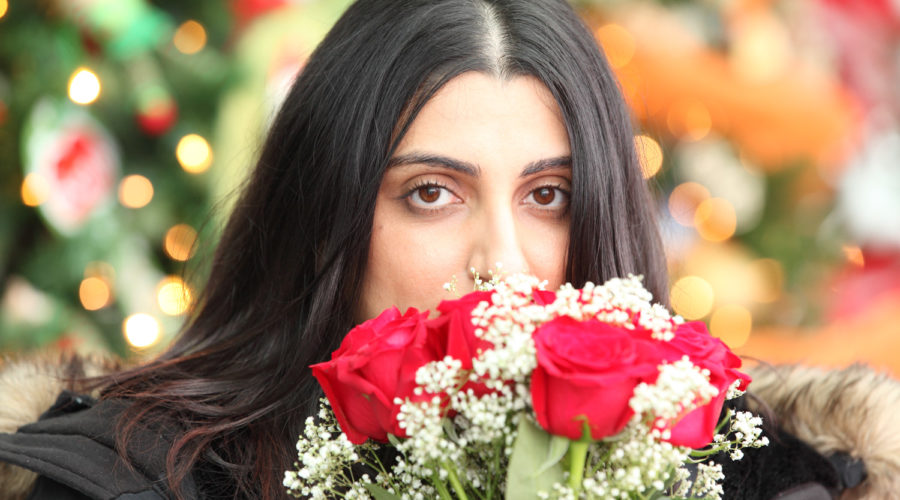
69 438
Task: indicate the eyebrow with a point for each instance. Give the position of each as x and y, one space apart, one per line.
472 169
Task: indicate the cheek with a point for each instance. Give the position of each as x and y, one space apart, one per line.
408 265
545 247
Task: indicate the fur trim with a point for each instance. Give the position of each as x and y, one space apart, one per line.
29 387
853 410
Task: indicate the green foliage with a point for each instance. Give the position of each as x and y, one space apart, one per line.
536 462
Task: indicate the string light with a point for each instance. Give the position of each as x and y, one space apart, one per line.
193 153
715 219
84 86
692 297
34 190
190 37
94 293
618 44
135 191
174 296
179 242
141 330
731 323
684 200
650 154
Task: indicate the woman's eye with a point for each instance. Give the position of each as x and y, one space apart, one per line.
548 197
430 197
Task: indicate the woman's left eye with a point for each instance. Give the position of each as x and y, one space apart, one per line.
548 197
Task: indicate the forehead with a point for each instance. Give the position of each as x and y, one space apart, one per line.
480 118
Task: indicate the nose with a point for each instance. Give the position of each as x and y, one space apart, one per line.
499 246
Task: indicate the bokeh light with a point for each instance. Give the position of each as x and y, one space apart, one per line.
174 296
135 191
84 86
141 330
854 255
94 293
684 200
692 297
618 44
650 153
190 37
770 276
179 242
194 153
4 6
34 190
715 219
731 323
761 48
689 120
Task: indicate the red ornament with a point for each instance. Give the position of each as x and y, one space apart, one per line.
158 117
248 10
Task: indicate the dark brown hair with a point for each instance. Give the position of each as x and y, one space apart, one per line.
286 274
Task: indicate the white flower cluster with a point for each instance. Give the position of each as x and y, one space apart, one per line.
325 456
621 302
508 322
634 464
707 483
745 432
679 388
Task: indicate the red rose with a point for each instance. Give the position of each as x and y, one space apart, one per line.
460 340
587 371
544 297
377 362
456 318
697 428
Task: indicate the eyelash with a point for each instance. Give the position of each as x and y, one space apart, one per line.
425 184
434 184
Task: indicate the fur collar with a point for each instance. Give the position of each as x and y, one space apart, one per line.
854 410
28 387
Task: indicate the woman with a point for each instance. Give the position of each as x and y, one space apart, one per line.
422 139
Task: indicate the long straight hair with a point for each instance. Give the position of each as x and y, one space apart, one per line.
286 275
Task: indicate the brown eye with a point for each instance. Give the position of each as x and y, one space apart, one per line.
429 194
544 195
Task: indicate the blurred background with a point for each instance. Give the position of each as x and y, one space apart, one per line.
769 131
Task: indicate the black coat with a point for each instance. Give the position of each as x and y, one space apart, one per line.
72 448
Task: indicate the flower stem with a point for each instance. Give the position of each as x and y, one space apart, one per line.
577 457
440 487
454 481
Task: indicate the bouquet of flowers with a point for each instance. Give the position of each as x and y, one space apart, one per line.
518 392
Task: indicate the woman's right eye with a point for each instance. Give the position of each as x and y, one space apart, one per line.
430 197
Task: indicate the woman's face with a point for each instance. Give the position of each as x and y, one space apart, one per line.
482 176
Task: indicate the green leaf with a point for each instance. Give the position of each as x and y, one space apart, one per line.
535 463
380 493
558 447
450 429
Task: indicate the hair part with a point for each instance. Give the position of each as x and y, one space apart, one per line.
286 275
